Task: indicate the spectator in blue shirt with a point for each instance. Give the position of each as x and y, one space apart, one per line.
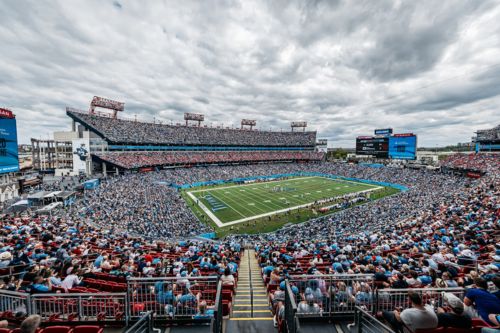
98 261
165 294
186 298
203 312
484 302
268 269
41 286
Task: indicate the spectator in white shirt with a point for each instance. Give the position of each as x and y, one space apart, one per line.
414 318
309 307
71 281
227 278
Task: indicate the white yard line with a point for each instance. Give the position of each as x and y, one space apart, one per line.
225 202
220 224
206 210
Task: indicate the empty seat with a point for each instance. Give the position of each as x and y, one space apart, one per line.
87 329
226 307
56 329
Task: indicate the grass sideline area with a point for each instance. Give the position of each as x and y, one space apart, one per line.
265 206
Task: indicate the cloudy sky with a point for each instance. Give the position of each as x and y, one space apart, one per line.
345 67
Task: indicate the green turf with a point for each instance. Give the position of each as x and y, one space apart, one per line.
249 201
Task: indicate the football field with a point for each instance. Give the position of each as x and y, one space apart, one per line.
231 204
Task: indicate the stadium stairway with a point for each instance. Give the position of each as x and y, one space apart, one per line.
251 311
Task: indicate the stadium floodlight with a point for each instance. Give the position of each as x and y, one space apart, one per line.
106 103
299 124
248 122
198 117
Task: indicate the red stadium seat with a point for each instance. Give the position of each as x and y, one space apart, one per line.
226 307
227 295
87 329
479 322
56 329
474 329
272 287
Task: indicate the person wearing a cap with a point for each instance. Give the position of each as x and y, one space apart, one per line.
454 314
278 296
5 259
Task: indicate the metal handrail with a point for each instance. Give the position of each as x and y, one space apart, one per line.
455 289
290 309
216 322
101 306
143 325
251 286
330 275
15 293
364 318
169 278
72 295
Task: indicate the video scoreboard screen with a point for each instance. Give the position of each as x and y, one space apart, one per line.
9 161
403 147
397 146
378 147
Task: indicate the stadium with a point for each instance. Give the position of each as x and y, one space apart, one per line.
127 224
247 228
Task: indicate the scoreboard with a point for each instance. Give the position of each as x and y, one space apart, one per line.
378 147
397 146
9 161
403 146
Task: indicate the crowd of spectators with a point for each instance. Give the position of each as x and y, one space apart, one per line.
141 204
131 160
44 254
451 240
442 232
145 204
126 131
489 135
475 162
